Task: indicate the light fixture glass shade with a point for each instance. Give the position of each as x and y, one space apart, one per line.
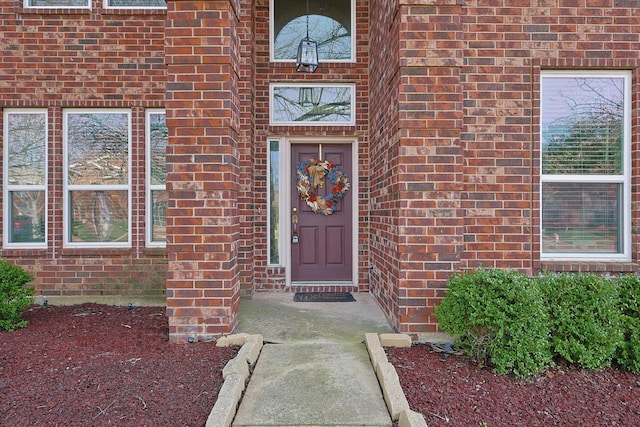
308 96
307 59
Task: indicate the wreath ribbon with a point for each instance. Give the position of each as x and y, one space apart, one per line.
311 175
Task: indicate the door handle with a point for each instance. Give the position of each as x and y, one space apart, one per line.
294 227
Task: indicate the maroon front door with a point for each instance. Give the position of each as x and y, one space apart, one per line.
321 241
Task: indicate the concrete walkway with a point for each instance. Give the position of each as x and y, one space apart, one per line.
314 369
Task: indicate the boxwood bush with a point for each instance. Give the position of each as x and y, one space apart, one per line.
14 295
628 353
499 318
585 317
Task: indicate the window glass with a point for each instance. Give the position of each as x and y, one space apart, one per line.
320 105
57 3
99 216
585 207
274 201
157 198
25 167
27 221
329 23
133 4
97 179
582 217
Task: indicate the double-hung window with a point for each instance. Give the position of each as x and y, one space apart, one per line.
97 178
157 137
585 149
25 178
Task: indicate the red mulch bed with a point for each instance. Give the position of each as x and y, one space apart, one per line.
100 365
453 391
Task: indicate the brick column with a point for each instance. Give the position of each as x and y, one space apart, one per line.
430 161
203 287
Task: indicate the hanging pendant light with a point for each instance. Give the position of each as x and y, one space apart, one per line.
307 58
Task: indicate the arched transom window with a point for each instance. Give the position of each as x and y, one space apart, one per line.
330 24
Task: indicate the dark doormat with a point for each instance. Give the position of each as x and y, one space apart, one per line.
323 297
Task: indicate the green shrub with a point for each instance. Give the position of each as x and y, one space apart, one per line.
628 354
585 317
500 318
14 296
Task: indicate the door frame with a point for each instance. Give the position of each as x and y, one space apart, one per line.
287 142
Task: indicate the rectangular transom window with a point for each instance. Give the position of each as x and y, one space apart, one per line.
330 24
303 104
585 148
25 178
53 4
135 4
97 179
157 137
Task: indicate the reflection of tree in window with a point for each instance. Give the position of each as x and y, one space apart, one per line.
582 126
583 133
334 41
331 104
98 149
98 173
27 149
158 138
59 3
158 141
26 159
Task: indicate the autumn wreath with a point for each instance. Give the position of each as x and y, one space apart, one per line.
311 175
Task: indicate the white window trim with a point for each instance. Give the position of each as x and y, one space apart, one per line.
350 86
8 188
272 39
624 178
28 5
67 188
151 187
106 5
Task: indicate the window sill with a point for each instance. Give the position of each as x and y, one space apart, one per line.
589 266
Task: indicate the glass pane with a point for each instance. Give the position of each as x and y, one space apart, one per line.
98 148
138 3
274 202
159 200
582 125
58 3
26 148
312 104
159 135
581 217
334 41
27 216
329 24
99 216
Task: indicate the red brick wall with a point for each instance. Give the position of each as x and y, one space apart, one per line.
505 49
203 227
460 145
446 124
416 103
92 59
